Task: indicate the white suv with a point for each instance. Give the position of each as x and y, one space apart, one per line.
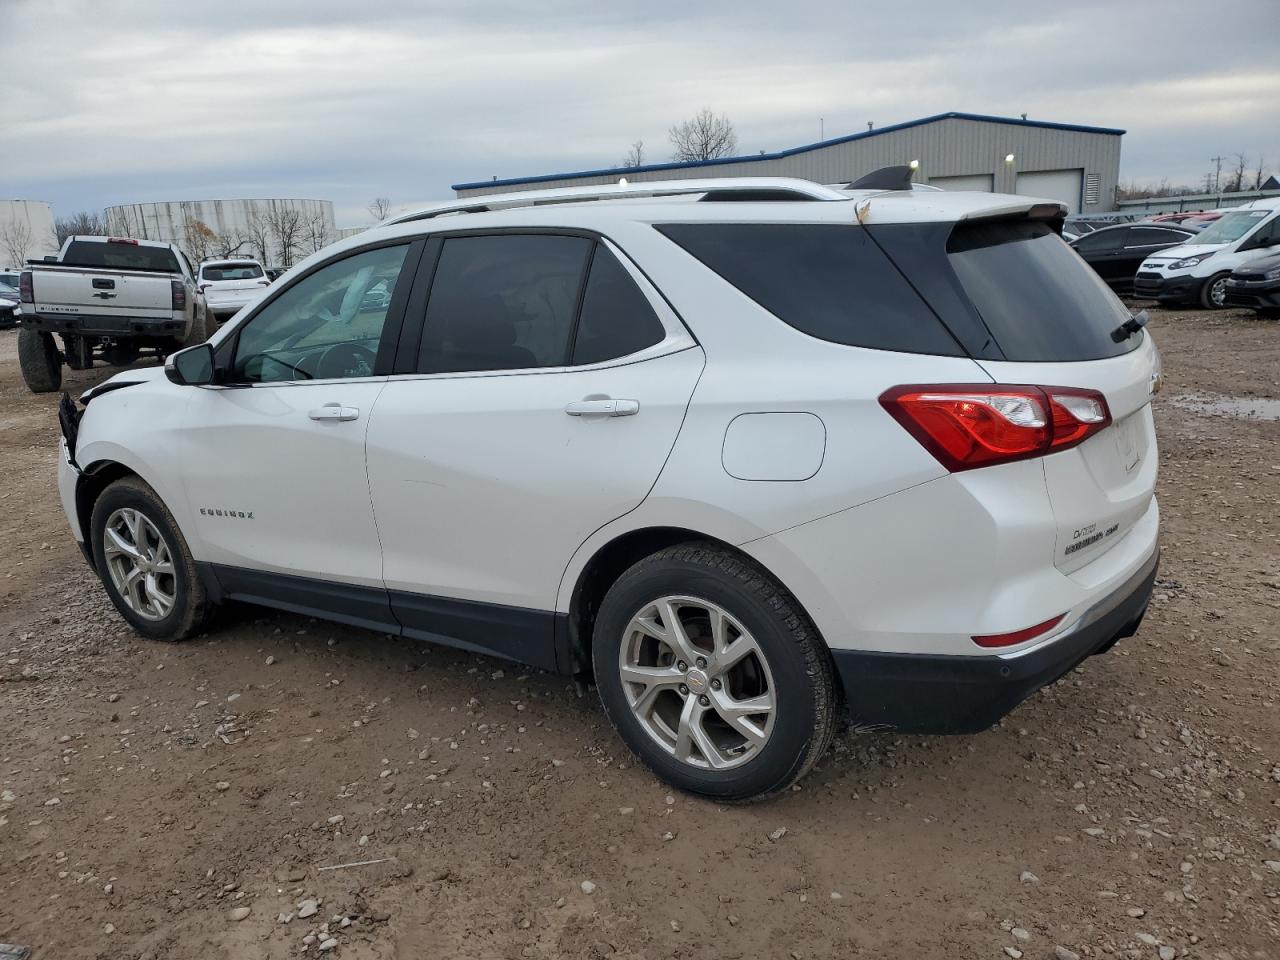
230 285
754 454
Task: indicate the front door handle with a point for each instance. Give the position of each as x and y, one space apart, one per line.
603 407
334 411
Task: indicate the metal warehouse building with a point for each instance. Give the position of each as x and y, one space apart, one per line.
213 227
1077 165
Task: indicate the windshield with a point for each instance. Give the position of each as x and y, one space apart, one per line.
7 292
1230 226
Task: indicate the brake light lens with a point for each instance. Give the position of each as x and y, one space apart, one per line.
128 240
967 425
25 288
179 297
1017 636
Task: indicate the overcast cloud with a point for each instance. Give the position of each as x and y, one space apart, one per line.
136 100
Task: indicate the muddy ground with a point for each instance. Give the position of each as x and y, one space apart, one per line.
151 794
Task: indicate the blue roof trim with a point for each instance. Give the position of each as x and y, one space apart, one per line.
792 151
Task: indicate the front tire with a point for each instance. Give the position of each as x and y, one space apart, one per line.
713 675
39 360
145 564
1214 291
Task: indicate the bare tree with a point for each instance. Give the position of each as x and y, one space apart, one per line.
1235 181
83 224
318 234
635 156
197 239
287 229
1257 175
228 244
124 222
705 137
16 238
258 236
380 208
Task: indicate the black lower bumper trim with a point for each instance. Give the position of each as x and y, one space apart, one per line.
924 693
1167 289
104 326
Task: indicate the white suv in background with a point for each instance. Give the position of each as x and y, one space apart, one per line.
229 285
753 454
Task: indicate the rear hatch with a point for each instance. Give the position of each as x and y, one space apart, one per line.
233 282
1030 311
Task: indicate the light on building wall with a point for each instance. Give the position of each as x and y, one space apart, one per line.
915 164
1008 158
622 181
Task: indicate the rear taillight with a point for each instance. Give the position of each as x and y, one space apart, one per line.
25 288
1017 636
968 425
129 240
179 298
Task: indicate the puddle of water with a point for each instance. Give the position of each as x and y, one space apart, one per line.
1215 404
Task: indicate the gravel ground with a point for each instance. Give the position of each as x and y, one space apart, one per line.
284 786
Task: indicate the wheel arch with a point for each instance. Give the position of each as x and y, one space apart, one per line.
610 561
94 479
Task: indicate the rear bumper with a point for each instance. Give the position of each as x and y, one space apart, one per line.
1149 286
227 308
924 693
105 326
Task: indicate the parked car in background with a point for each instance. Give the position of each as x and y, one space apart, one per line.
1197 271
229 284
1256 284
1200 221
1115 253
1079 228
10 278
746 464
10 310
275 273
108 298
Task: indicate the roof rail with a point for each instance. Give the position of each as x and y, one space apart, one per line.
726 188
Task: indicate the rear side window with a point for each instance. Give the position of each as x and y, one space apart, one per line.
616 317
119 256
503 302
231 271
830 281
1039 301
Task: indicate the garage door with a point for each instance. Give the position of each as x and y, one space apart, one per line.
977 181
1060 185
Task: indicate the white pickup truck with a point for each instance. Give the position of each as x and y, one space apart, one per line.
107 298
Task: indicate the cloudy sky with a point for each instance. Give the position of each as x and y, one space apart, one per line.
134 100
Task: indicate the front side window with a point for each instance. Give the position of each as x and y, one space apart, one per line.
503 302
326 326
1101 241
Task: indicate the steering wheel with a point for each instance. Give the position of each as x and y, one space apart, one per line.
344 360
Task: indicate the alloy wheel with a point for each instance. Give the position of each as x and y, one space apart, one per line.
140 563
698 682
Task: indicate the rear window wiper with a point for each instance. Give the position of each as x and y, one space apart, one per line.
1131 326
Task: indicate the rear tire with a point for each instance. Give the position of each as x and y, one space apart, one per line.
39 360
1213 291
145 564
688 721
197 334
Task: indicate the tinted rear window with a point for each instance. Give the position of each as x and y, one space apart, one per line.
120 256
830 281
1038 299
231 271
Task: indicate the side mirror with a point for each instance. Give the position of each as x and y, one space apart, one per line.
191 367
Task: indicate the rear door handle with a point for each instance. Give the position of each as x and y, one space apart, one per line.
603 407
334 411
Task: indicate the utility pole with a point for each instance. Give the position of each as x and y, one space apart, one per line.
1217 172
821 130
